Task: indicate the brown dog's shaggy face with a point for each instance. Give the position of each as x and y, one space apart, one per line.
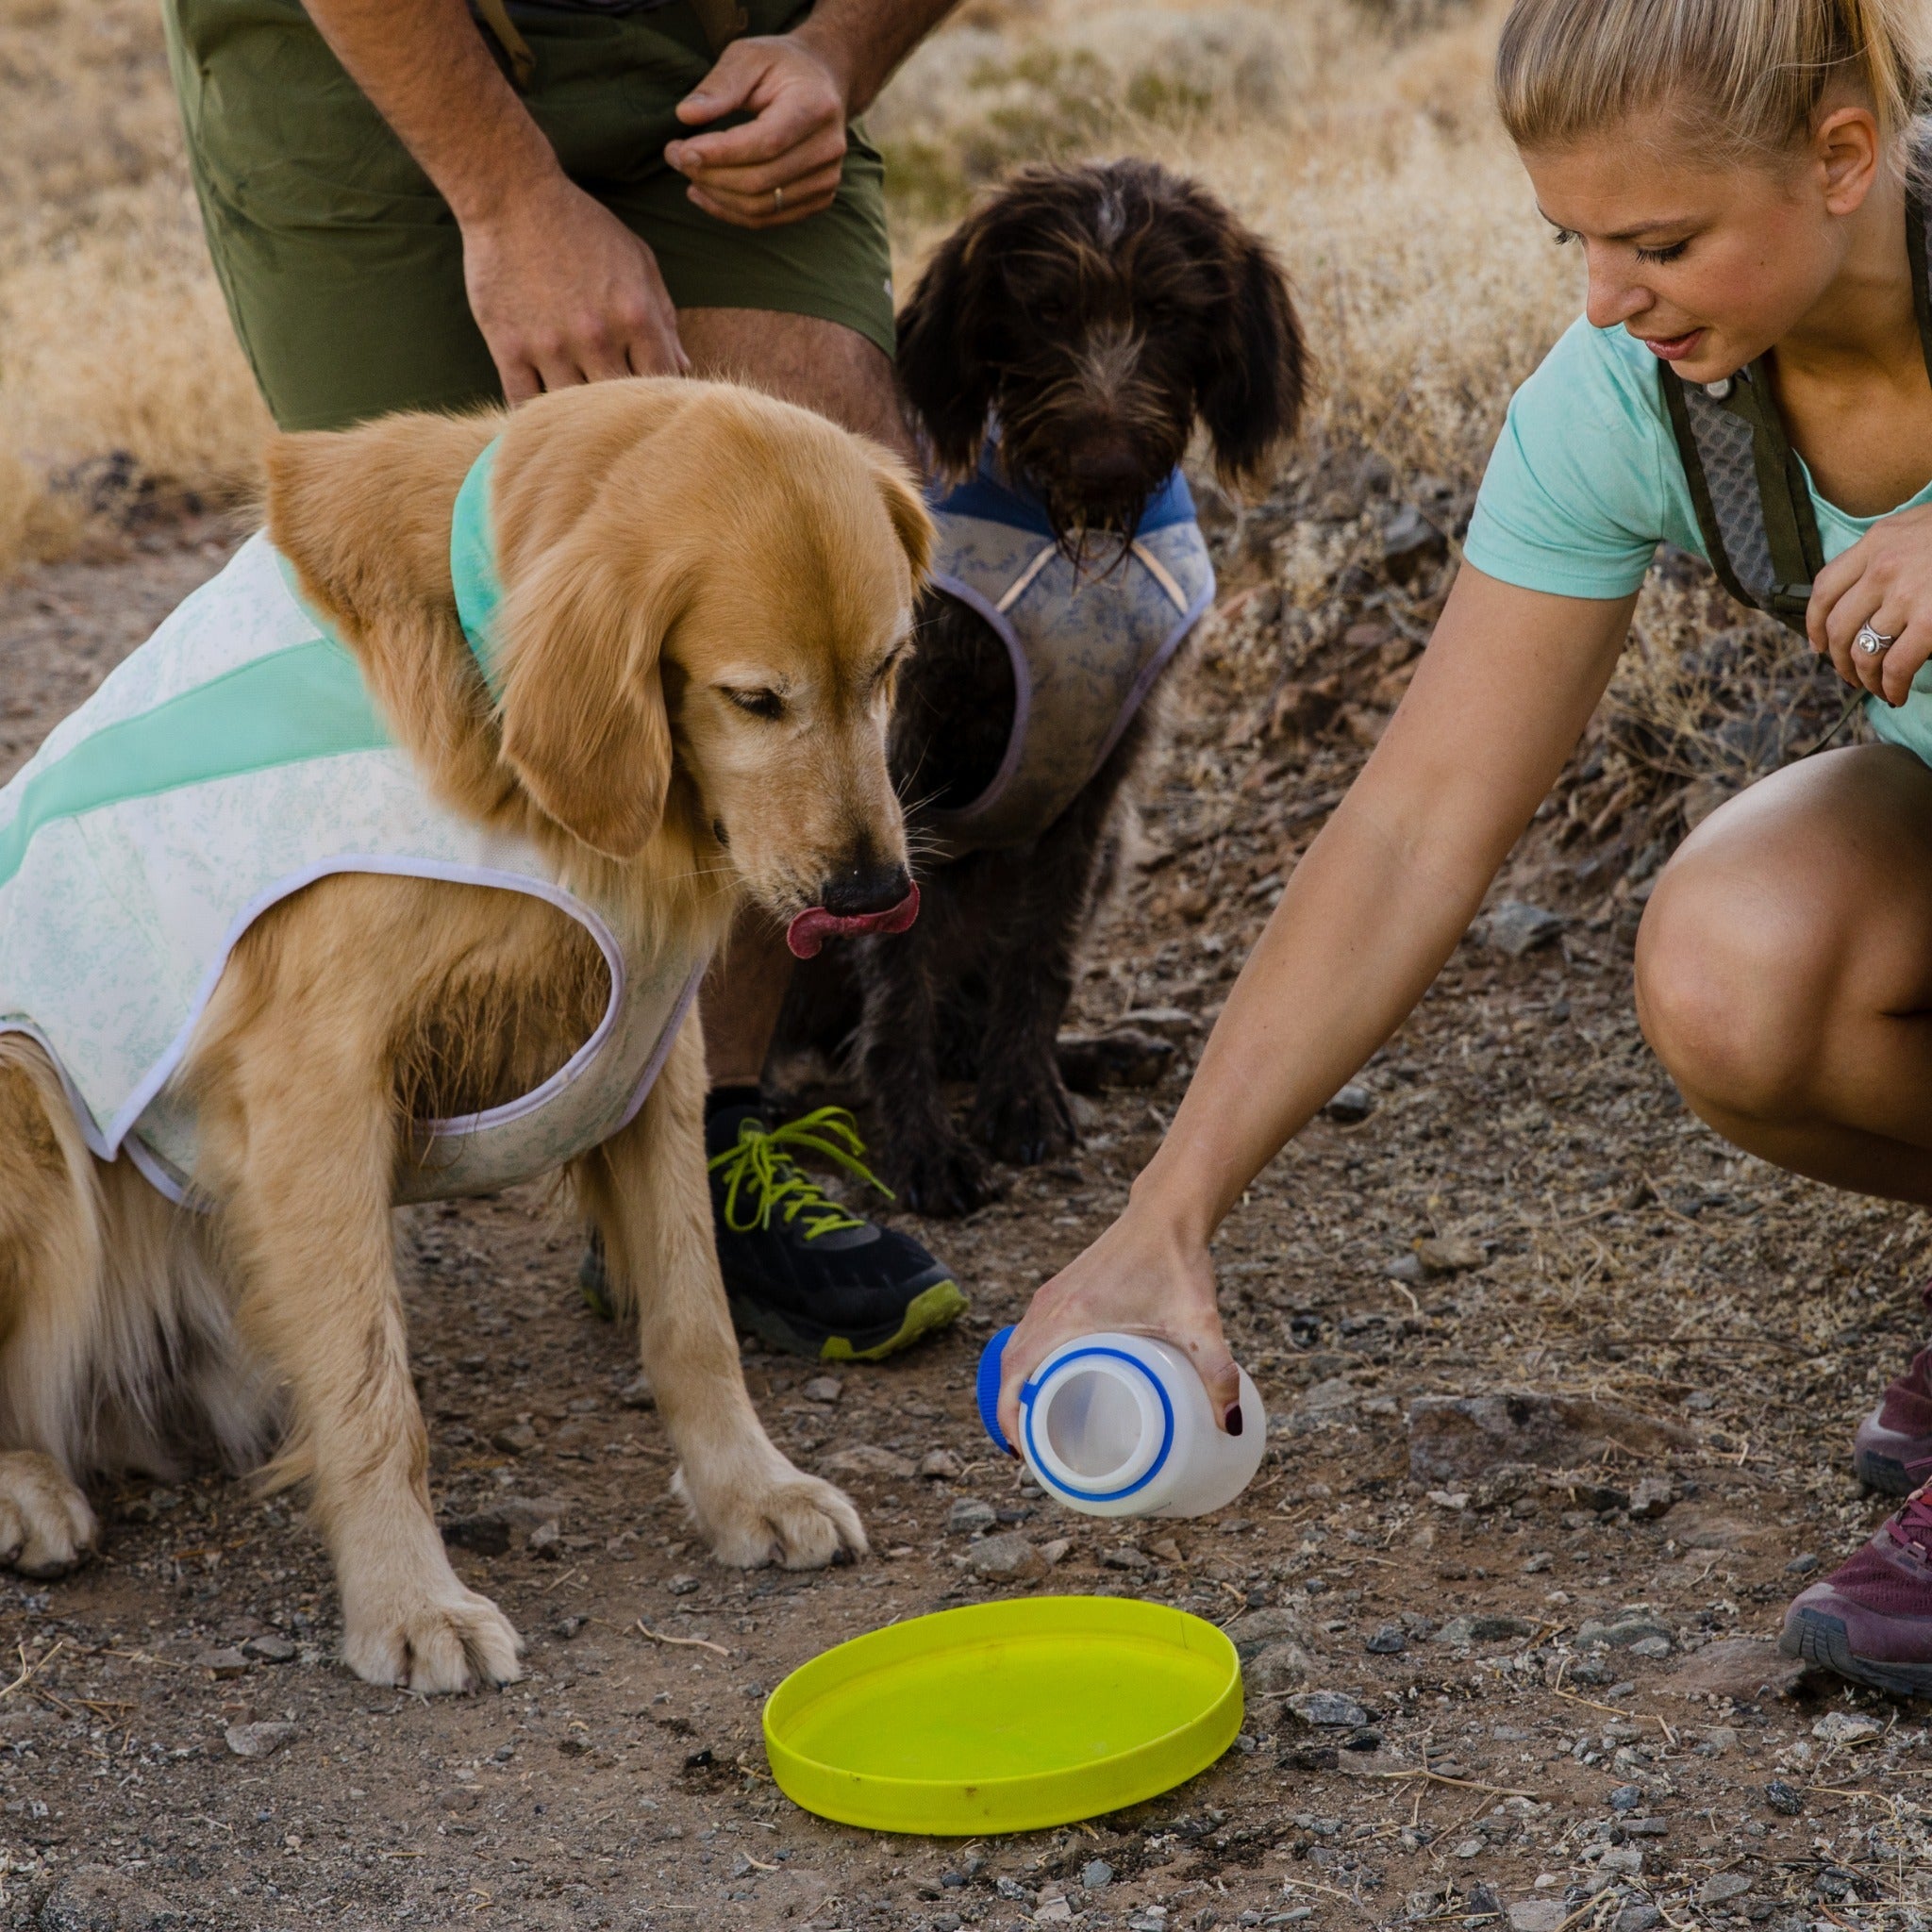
1096 313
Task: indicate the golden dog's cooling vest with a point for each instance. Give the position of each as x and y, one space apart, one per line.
232 760
1087 638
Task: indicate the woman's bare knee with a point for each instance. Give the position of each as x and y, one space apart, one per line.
1727 1004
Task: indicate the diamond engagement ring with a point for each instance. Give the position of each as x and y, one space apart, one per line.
1873 642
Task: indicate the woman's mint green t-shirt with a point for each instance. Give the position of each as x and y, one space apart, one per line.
1585 481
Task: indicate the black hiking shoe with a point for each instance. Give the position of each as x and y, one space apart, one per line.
802 1272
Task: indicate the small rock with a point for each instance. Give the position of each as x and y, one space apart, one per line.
1708 1530
569 1628
1352 1104
1517 927
574 1744
1484 1629
1469 1848
1720 1886
270 1649
1096 1874
1652 1497
1539 1564
1787 1800
1275 1667
1125 1057
941 1465
1635 1919
1803 1566
1008 1558
1310 1757
514 1439
1741 1668
1126 1557
1328 1707
823 1388
637 1394
1625 1798
683 1584
1627 1627
1454 1256
1165 1550
1538 1915
258 1739
224 1663
868 1459
1651 1648
1055 1550
1387 1641
967 1515
1845 1728
546 1541
1325 1399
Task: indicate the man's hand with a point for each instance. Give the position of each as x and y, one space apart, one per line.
565 293
784 163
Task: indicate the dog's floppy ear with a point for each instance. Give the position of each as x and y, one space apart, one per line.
910 523
584 720
947 385
1250 393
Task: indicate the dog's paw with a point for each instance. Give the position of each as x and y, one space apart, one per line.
46 1527
453 1642
1027 1126
783 1517
947 1179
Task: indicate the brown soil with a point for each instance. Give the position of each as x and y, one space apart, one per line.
1585 1236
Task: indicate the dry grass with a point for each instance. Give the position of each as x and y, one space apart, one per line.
1356 133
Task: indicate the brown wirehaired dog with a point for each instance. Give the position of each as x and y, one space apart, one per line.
706 595
1066 338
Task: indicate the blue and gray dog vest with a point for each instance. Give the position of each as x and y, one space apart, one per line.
235 757
1087 640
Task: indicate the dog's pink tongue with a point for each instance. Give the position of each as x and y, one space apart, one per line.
815 925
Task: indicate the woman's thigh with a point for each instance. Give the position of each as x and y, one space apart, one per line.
1784 967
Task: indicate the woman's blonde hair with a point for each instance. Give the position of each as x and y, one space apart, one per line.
1743 76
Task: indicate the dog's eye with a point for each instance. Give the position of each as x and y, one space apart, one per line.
760 704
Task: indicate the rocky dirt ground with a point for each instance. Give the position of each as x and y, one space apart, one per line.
1561 1398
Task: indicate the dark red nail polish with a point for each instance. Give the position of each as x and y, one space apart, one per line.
1012 1452
1234 1419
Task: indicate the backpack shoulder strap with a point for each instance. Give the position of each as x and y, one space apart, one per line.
1748 488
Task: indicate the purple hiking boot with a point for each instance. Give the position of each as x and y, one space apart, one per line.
1892 1450
1871 1619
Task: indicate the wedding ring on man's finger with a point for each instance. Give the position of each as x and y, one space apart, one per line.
778 201
1874 644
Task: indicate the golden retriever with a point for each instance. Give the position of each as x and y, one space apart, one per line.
707 593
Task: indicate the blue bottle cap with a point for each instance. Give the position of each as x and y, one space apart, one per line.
987 1386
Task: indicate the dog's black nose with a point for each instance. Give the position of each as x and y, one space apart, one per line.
868 887
1105 466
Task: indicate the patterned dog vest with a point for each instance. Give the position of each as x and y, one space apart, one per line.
232 760
1087 640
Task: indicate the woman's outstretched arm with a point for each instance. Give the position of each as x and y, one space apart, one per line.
1370 915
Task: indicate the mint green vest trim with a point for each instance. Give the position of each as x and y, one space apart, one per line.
306 702
473 567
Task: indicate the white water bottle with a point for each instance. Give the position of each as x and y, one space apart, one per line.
1121 1426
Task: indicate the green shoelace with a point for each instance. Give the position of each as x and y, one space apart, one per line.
761 1166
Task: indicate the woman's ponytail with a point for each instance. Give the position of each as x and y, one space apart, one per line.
1747 75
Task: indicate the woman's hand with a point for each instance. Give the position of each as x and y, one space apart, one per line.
1885 579
1140 1277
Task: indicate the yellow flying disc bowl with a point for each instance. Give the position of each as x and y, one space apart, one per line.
1004 1716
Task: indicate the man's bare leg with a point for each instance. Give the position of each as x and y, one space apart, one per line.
828 366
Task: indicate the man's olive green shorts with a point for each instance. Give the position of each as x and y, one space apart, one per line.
343 266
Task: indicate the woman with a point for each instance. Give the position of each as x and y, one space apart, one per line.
1736 172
